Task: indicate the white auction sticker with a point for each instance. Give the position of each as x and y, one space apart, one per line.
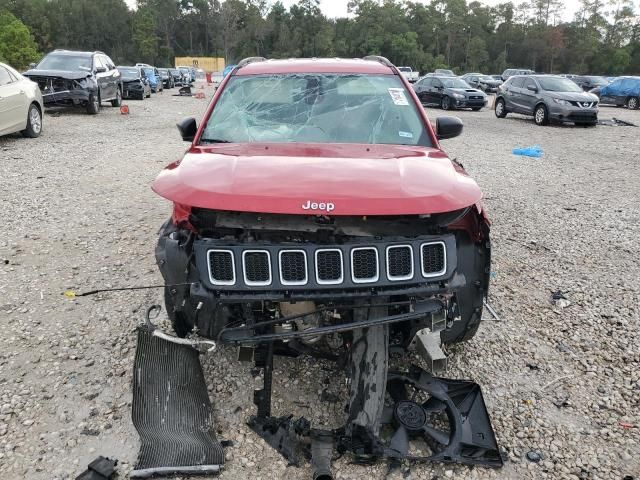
397 95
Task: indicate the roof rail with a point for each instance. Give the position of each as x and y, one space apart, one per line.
246 61
377 58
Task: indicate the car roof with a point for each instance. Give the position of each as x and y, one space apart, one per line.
75 53
314 65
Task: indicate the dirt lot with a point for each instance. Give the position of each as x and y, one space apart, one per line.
561 380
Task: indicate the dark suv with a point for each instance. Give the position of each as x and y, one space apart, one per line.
449 93
85 79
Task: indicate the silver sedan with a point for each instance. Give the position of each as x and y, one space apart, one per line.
21 105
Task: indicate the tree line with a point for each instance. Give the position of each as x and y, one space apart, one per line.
602 38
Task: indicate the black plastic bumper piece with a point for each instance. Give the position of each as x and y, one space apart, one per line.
102 468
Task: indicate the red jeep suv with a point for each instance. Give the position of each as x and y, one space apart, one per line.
315 212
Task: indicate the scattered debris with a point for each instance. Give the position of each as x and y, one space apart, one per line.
124 109
615 122
102 468
534 456
534 151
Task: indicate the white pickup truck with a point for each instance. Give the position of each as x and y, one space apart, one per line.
409 74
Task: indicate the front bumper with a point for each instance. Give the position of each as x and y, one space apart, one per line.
563 113
66 97
470 102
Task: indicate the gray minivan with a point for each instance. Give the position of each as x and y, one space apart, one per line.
546 98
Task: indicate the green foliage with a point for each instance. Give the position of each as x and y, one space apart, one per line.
17 46
603 38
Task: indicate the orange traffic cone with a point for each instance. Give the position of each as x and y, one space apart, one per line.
124 109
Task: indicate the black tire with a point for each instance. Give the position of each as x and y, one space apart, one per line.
34 122
93 104
633 103
142 96
149 95
541 115
445 103
118 100
500 108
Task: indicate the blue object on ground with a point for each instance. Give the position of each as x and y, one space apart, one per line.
534 151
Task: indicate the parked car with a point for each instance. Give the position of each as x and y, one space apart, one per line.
177 76
167 78
589 82
623 91
409 74
509 72
21 104
135 84
448 93
392 236
444 72
70 78
186 76
482 82
546 98
155 82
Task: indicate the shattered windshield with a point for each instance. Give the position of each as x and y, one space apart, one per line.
557 84
129 73
321 108
67 63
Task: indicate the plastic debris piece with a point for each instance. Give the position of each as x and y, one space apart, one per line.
534 151
70 294
534 456
124 109
102 468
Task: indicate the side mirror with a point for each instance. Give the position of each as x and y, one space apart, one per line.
32 65
448 127
101 69
532 88
188 128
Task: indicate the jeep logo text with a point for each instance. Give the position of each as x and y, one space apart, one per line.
324 206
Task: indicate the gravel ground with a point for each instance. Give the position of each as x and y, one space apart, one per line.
561 379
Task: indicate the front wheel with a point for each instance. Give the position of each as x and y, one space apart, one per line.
34 122
93 104
118 100
446 103
500 109
541 115
632 103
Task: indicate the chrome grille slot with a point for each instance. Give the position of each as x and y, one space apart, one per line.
256 265
329 270
364 265
433 257
399 262
222 270
293 267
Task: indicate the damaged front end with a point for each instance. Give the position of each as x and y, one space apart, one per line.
62 89
346 288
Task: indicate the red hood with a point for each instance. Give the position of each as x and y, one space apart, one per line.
281 178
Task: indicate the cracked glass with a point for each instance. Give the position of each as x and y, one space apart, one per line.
316 108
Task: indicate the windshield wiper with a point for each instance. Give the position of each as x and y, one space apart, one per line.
215 140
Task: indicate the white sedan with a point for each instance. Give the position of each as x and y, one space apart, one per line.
21 105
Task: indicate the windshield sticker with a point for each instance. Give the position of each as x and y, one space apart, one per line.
397 95
405 134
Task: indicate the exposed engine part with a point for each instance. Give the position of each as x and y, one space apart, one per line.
429 346
306 322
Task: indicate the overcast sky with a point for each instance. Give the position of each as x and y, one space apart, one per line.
338 8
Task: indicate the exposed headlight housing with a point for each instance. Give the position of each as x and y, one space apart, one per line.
562 102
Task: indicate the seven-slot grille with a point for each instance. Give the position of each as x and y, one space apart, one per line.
345 265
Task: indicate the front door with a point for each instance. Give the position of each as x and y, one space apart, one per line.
13 111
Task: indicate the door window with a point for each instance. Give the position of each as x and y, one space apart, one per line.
517 82
529 83
5 78
97 62
108 62
437 83
425 82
